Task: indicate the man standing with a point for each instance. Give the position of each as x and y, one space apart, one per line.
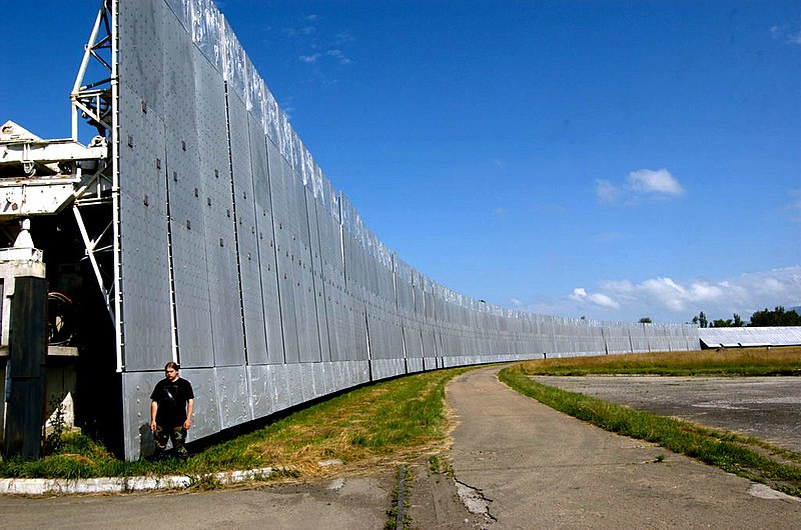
172 403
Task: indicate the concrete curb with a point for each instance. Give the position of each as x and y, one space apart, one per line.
42 486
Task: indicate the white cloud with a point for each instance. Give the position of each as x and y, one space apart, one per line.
599 299
655 182
639 185
666 299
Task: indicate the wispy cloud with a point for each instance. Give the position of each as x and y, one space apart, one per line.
317 44
794 206
339 56
311 59
639 185
786 34
669 300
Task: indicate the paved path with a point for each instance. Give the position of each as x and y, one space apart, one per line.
353 503
538 468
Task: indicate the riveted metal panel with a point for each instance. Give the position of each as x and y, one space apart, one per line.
261 390
279 386
190 278
206 420
285 252
144 274
356 326
294 381
141 50
337 322
217 207
315 210
415 365
239 123
305 312
287 289
308 381
233 395
260 150
136 387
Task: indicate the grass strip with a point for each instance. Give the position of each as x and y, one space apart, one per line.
736 454
384 423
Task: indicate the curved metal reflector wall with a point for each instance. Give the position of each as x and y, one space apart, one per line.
239 259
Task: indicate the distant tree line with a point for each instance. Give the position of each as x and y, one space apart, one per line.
760 319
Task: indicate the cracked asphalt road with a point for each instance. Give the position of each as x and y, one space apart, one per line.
539 468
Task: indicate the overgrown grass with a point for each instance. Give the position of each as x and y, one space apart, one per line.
746 457
739 362
388 422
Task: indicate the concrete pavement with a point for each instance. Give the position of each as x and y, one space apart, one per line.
534 467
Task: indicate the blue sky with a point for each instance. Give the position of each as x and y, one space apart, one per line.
607 159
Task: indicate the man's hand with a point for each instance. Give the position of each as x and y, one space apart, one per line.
153 425
188 423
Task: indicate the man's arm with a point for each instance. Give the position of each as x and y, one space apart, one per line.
154 407
190 407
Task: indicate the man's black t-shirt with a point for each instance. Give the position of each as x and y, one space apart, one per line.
172 397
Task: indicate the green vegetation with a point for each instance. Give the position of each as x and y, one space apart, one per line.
765 318
747 457
740 362
380 424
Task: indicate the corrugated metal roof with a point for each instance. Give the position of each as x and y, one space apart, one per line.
743 337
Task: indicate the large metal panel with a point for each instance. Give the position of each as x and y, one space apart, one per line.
136 387
224 290
245 215
141 50
261 391
188 250
144 267
315 209
266 246
206 419
233 395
